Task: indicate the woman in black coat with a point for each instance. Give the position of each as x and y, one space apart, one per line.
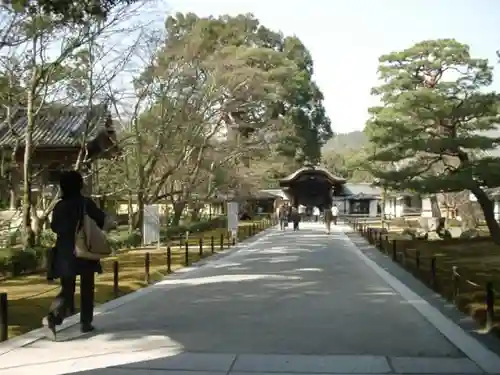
66 220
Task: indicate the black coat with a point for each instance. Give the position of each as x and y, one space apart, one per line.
65 218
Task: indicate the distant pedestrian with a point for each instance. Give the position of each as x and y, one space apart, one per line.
328 219
335 214
283 216
316 214
295 217
67 220
302 212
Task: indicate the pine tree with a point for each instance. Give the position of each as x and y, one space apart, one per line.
429 130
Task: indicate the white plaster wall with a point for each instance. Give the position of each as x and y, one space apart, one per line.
426 207
390 207
373 207
399 209
387 207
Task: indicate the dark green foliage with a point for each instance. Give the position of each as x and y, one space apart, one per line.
307 126
429 130
436 130
15 262
70 10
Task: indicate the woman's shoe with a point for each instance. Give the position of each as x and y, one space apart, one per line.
49 322
86 328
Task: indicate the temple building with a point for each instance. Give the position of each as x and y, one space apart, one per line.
314 186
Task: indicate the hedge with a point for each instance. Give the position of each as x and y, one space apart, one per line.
16 262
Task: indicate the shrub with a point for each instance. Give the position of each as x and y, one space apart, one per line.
125 240
199 226
16 262
47 239
13 238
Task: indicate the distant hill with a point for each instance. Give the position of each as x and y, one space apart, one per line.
342 153
345 142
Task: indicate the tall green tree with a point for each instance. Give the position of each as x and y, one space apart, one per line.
43 41
303 109
306 126
429 131
203 104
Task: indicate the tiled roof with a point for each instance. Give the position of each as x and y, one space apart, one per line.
54 127
367 190
307 169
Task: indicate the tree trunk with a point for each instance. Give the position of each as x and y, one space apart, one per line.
12 197
436 211
13 184
467 214
436 214
489 213
382 203
130 212
178 209
37 230
139 216
28 238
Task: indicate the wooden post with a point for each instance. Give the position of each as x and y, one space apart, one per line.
147 261
169 260
116 286
490 305
4 320
454 284
433 272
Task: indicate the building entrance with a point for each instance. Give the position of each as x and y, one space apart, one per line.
312 187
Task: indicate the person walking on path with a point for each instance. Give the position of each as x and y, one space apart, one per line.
67 219
316 214
335 214
302 212
283 217
328 219
295 217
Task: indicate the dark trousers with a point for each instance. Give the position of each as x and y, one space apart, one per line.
283 223
328 225
334 219
64 304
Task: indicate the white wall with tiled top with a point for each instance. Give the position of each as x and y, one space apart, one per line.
373 208
393 207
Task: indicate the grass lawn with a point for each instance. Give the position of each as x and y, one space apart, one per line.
30 296
477 262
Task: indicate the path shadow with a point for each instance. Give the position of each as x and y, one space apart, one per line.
292 293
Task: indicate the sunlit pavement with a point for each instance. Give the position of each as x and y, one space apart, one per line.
303 302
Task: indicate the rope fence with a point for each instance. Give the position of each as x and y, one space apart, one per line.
447 280
189 254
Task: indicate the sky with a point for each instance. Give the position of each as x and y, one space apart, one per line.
346 38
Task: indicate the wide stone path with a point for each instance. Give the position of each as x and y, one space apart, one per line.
296 302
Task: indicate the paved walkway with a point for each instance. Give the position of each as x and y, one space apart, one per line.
297 302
